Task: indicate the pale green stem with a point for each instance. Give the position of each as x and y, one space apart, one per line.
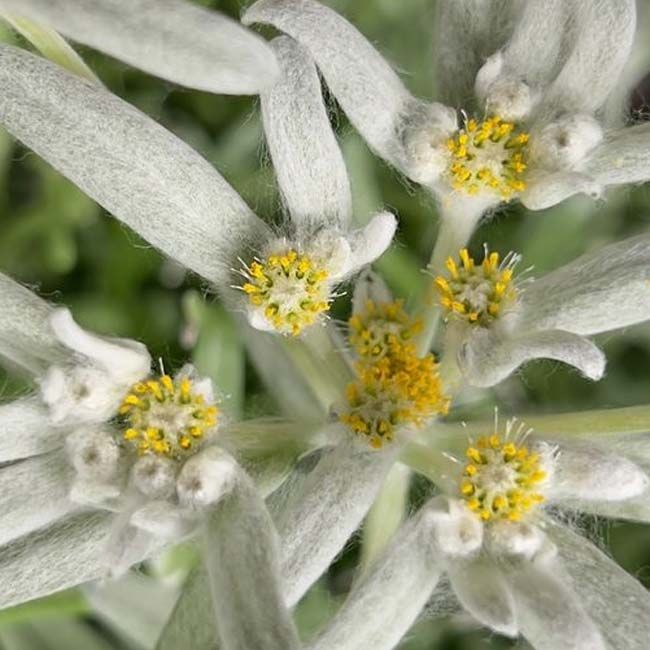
321 364
458 220
52 46
431 463
386 514
597 423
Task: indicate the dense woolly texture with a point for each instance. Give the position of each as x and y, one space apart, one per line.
467 32
614 599
319 517
242 558
173 39
129 164
603 290
488 358
368 89
388 598
481 588
622 157
33 494
25 429
26 339
600 34
306 157
548 613
60 556
192 620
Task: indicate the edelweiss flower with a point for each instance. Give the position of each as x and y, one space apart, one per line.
496 324
512 563
173 198
173 39
116 463
530 80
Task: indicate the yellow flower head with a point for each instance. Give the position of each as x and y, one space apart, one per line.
488 157
503 479
289 289
398 390
165 417
380 327
477 293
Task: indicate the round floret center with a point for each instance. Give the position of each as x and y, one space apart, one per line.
166 417
474 292
290 289
488 157
502 480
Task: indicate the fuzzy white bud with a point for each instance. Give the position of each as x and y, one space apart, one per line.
154 476
93 454
456 530
515 539
205 478
565 143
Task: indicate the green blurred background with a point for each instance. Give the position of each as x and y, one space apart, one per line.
55 239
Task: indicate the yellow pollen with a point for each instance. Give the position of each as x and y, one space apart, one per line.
477 293
165 417
398 389
289 288
380 327
488 157
503 479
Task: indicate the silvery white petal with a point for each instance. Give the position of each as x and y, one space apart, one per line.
486 359
129 164
611 596
126 361
369 286
34 494
206 478
55 558
546 189
306 156
622 157
319 518
26 339
172 39
534 48
371 241
241 552
191 623
25 429
549 614
388 598
603 290
584 472
363 82
601 42
482 590
467 32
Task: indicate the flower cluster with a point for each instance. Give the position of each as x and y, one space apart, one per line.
104 463
394 388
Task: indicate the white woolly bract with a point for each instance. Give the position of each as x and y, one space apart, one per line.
241 552
34 494
173 39
27 430
26 339
306 157
317 519
388 598
129 164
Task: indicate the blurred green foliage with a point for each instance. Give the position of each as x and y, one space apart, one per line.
54 238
